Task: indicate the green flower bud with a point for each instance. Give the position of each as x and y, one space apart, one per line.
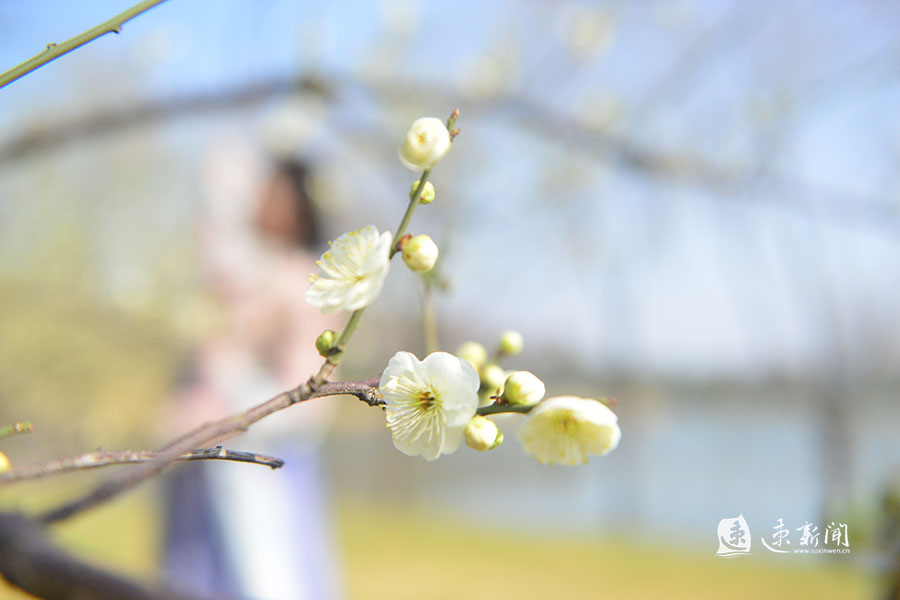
483 434
523 388
511 342
492 378
427 195
325 342
473 352
420 253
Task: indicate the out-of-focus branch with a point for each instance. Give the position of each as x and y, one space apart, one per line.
20 427
32 563
209 433
103 458
731 183
135 115
666 165
54 51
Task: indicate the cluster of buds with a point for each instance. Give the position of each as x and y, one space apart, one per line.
497 385
560 430
493 376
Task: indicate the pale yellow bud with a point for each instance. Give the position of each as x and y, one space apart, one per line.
492 377
4 463
420 253
511 342
473 352
427 141
483 434
426 196
523 388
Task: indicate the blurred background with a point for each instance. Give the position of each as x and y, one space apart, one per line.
693 207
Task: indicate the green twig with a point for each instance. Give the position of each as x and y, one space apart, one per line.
493 409
414 199
333 359
21 427
54 51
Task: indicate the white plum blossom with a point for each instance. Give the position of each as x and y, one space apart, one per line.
353 271
565 430
427 141
428 403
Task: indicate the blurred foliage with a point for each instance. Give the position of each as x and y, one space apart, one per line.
86 372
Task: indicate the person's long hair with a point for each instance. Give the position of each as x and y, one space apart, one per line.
308 226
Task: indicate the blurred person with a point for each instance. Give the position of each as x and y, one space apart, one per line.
236 530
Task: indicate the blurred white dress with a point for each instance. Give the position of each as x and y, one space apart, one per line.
240 530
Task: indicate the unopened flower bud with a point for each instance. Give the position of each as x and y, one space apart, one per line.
420 253
523 388
426 196
473 352
511 342
4 463
483 434
427 141
492 377
325 342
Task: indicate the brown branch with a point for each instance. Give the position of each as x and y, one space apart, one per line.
103 458
210 432
32 563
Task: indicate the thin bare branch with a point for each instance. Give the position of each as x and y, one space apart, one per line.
54 51
104 458
212 432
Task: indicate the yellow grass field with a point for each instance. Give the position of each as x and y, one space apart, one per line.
393 555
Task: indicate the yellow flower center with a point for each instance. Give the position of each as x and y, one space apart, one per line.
427 399
566 423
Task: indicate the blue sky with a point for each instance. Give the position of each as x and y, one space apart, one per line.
648 273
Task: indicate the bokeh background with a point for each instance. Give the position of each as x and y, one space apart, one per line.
691 206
